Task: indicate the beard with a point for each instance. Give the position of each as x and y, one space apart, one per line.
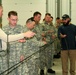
66 23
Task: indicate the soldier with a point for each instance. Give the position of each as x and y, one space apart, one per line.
57 42
14 47
53 37
31 46
38 31
48 36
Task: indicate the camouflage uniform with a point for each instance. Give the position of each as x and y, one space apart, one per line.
49 48
38 31
3 61
15 49
57 42
52 44
0 58
31 46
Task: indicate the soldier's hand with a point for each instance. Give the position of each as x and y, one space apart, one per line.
53 36
44 42
43 39
43 34
29 34
21 58
50 31
22 40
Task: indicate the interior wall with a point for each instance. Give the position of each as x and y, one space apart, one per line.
0 18
25 9
73 11
52 8
66 7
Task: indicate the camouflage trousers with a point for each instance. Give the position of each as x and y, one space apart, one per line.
46 56
33 65
57 46
4 65
3 62
42 57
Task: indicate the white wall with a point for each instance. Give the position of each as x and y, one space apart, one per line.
69 7
65 7
52 8
25 9
73 11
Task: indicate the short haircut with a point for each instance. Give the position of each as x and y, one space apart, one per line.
36 13
12 13
30 20
57 18
48 14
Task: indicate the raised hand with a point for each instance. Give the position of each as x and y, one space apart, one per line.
29 34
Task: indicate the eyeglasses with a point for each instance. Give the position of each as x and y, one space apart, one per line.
14 19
